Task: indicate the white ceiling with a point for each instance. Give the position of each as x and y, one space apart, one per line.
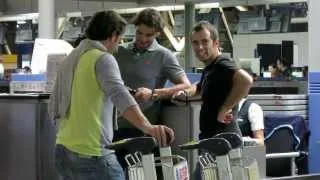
12 7
224 3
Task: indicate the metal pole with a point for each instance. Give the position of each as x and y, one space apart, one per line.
225 22
189 18
47 21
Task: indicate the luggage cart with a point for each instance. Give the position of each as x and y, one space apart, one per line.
214 158
221 158
142 163
242 168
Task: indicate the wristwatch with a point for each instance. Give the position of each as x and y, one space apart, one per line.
154 96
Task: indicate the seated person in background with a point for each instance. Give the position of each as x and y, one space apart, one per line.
272 68
250 120
283 68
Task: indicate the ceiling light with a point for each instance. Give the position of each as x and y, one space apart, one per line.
21 22
19 17
207 5
242 8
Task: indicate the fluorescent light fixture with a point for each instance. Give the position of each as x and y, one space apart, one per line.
207 5
74 14
159 8
169 8
297 20
242 8
21 22
204 10
19 17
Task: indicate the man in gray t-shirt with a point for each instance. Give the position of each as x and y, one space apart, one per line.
145 66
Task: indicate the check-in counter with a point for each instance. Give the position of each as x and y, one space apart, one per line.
184 120
27 138
279 87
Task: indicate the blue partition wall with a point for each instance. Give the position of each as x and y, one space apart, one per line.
314 122
193 78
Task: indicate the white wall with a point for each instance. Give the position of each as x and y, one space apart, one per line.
314 28
245 44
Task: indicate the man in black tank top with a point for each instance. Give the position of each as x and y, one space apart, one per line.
221 87
223 84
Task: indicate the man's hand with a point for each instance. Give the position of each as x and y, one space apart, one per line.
143 94
179 98
163 134
225 116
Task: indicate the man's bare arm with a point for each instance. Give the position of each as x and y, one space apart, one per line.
258 135
179 84
242 82
241 85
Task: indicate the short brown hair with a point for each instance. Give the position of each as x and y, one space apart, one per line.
103 24
206 25
149 17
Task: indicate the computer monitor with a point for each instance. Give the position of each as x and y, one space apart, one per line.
252 65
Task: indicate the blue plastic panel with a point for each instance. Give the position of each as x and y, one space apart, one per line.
28 77
314 122
193 78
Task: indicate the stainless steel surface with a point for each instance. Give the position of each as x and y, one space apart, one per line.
258 153
27 140
286 107
189 15
277 96
282 155
291 155
185 122
281 102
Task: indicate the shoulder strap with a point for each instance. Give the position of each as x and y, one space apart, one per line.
245 107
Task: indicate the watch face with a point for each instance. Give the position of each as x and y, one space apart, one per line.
155 97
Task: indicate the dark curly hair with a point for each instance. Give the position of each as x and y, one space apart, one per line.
103 24
149 17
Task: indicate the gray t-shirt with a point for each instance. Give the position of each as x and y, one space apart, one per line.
109 78
150 68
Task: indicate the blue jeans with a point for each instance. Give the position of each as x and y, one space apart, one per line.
74 166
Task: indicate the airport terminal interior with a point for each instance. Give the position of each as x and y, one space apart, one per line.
274 41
